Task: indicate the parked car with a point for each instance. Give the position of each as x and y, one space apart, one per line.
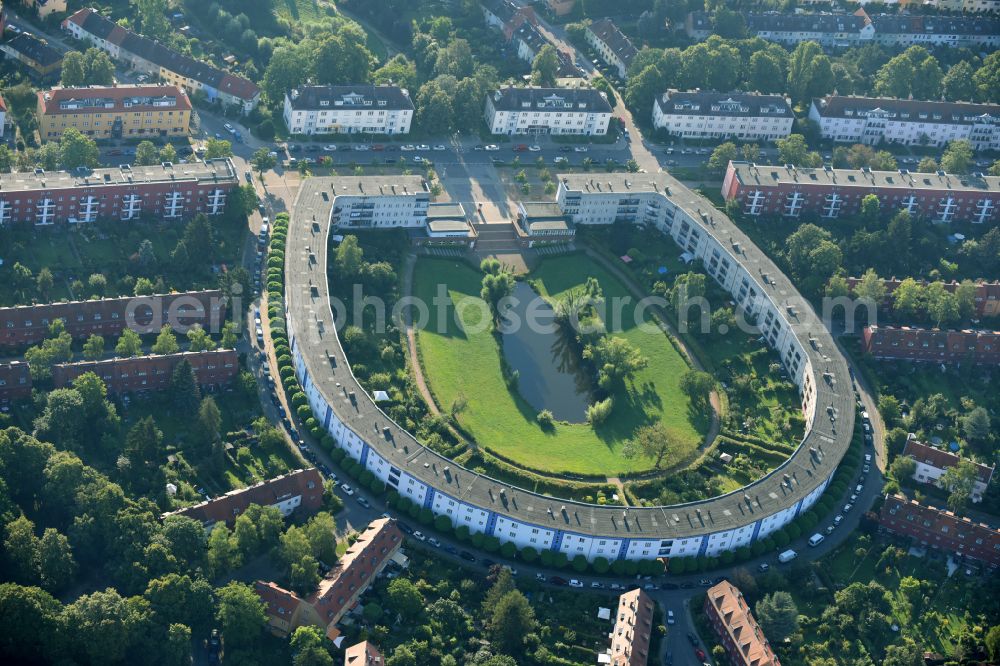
866 469
670 617
848 507
405 529
419 536
440 147
535 148
450 549
492 147
580 149
540 577
467 556
575 583
434 542
764 566
700 654
408 147
330 147
597 585
558 580
692 638
347 489
363 502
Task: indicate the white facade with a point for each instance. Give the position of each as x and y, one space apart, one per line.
928 473
348 110
613 47
381 203
907 122
713 116
549 111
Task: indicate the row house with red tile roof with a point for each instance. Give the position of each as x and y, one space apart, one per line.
24 325
633 629
300 489
932 345
152 373
340 590
937 528
987 293
151 57
792 191
933 462
738 631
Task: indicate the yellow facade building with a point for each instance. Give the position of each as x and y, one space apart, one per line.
115 112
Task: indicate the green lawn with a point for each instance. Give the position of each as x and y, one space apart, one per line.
457 363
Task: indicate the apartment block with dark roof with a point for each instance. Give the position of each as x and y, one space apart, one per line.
940 529
710 115
42 61
169 191
614 47
157 60
633 629
301 489
738 631
114 112
932 463
931 345
152 373
792 191
875 120
25 325
581 111
987 297
15 382
348 109
340 590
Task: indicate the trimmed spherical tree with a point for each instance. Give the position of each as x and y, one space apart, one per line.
426 516
601 565
477 539
442 523
508 550
579 564
491 544
547 558
462 533
529 554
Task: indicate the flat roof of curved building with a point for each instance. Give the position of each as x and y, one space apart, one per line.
312 326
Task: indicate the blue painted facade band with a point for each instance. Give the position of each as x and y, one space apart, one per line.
557 539
491 524
756 531
703 548
364 455
429 498
623 549
326 418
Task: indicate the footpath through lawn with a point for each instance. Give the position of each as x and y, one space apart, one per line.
458 363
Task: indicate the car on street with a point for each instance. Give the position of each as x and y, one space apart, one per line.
347 489
764 566
330 147
670 617
363 502
705 582
649 586
670 659
597 585
409 147
440 147
575 583
580 149
560 160
434 542
419 536
866 469
540 577
558 580
450 549
700 654
848 507
423 146
492 147
361 147
534 148
405 529
467 556
333 477
230 128
692 638
566 149
830 528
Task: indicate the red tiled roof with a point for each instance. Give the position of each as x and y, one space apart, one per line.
49 100
305 482
739 624
941 529
362 654
941 459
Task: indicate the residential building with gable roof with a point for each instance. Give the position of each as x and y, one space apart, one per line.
932 464
581 111
155 59
611 44
633 629
711 115
987 296
937 528
348 109
874 120
738 631
138 374
363 654
907 343
340 590
299 489
42 61
114 112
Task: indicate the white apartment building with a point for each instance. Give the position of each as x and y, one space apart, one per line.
614 47
932 464
548 111
350 109
872 120
710 115
379 202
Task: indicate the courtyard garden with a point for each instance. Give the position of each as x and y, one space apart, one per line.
469 377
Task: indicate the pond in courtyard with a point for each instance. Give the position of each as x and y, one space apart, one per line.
550 373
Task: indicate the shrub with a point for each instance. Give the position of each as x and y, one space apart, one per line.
598 412
326 441
545 419
508 550
477 539
727 557
414 511
645 567
462 533
794 531
547 558
529 554
391 498
580 564
678 565
601 565
491 544
426 516
743 553
781 539
442 523
376 486
337 455
559 560
366 477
